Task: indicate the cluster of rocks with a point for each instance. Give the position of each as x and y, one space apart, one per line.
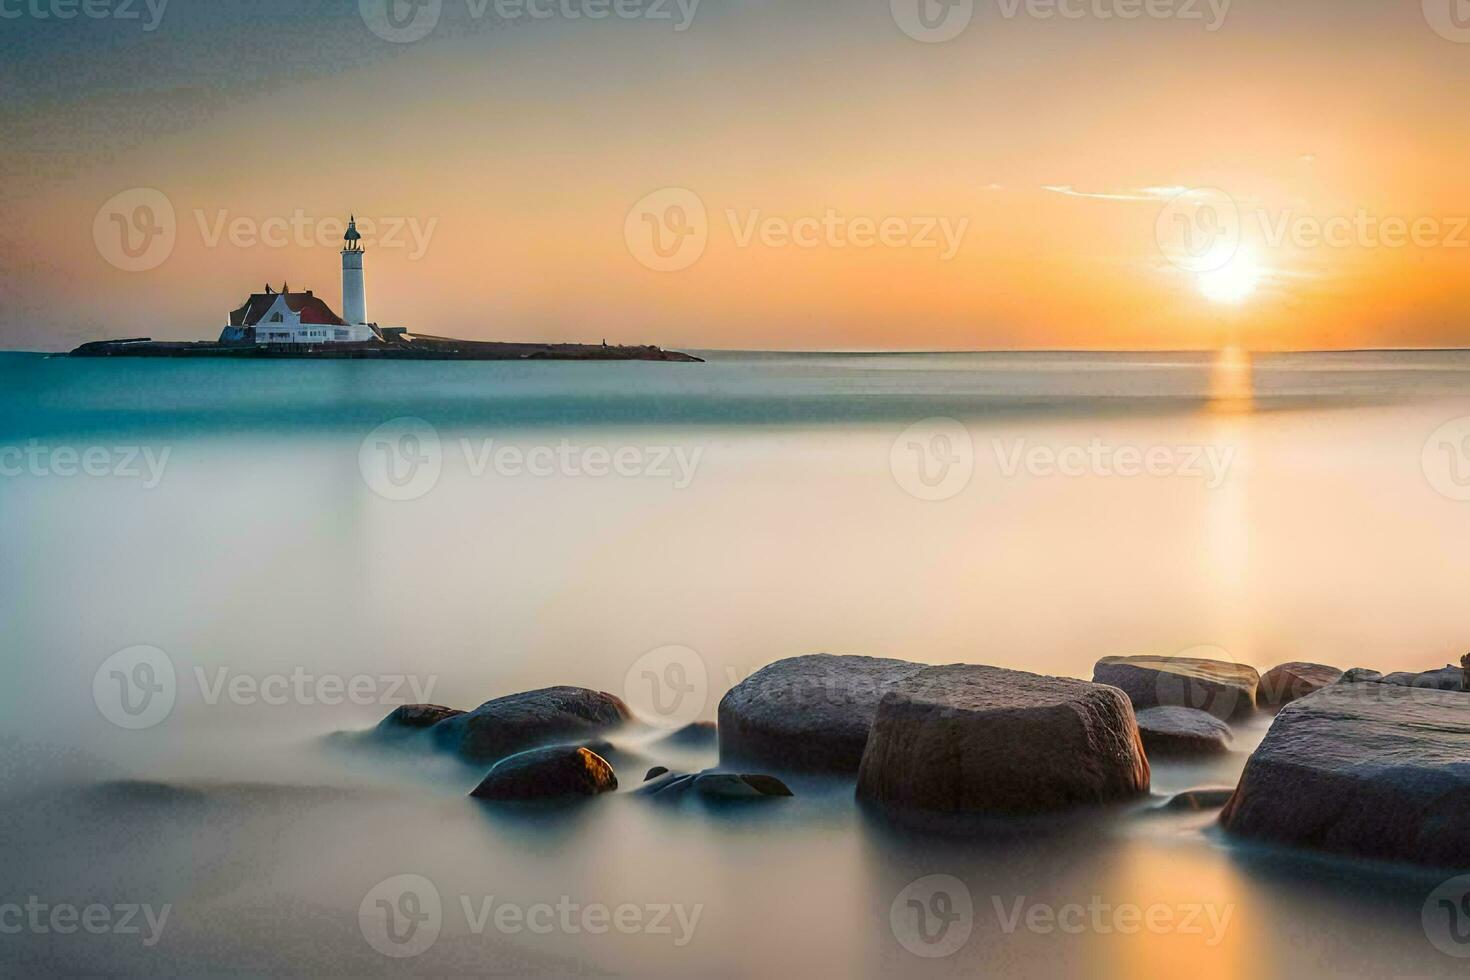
1356 762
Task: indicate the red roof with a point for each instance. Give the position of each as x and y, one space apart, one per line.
312 309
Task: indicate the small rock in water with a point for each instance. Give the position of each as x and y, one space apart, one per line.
656 772
518 722
967 739
714 785
695 735
1182 732
558 772
1290 681
1224 689
1200 799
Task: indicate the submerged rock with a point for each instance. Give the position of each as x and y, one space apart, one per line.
1368 769
695 735
518 722
972 739
1290 681
1444 679
807 713
1200 799
715 785
558 772
415 718
1174 731
1224 689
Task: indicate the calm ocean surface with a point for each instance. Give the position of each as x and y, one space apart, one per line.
280 532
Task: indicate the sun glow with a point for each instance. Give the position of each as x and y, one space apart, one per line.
1234 282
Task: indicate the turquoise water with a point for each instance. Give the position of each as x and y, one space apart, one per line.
468 530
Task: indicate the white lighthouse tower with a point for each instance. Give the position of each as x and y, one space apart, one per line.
354 300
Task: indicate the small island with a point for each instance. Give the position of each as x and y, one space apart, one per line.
285 324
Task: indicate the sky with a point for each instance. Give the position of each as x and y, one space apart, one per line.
749 174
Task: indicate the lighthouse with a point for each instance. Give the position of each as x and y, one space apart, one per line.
354 301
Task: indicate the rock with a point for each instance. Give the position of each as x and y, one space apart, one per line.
1224 689
1358 675
519 722
1284 684
415 718
716 785
1200 799
807 713
1182 732
695 735
968 739
1368 769
1445 679
557 772
656 772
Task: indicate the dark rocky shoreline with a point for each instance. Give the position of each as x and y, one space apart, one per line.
415 349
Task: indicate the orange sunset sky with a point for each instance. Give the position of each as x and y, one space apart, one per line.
517 148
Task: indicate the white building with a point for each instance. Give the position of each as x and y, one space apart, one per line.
285 317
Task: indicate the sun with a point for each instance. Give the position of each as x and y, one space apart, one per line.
1234 282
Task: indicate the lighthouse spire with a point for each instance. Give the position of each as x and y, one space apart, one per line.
354 299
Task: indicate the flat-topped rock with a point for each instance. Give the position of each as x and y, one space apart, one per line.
1369 769
1224 689
1171 731
558 772
808 713
1291 681
967 739
519 722
1446 678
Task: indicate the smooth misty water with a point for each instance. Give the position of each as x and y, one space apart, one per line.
263 551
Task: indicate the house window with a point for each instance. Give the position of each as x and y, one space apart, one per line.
275 318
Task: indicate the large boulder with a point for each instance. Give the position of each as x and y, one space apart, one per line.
1444 679
1369 769
807 713
1171 731
1224 689
554 773
519 722
1290 681
968 739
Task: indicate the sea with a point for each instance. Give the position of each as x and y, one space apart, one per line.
214 573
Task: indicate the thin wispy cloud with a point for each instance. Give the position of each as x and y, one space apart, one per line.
1139 194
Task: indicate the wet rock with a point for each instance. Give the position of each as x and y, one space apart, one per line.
1200 799
695 735
1444 679
519 722
808 713
1290 681
1173 731
715 785
1369 769
1224 689
415 718
656 772
968 739
558 772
